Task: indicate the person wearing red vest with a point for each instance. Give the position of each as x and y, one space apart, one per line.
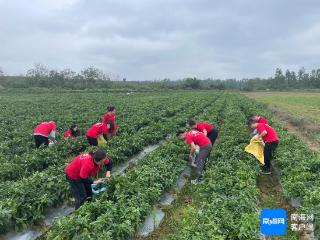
44 132
271 140
80 171
206 128
110 115
97 129
194 138
72 132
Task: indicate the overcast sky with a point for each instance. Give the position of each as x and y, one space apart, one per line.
154 39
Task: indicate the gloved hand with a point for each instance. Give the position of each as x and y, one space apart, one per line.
98 181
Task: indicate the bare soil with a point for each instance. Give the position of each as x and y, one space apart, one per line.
271 197
300 127
173 214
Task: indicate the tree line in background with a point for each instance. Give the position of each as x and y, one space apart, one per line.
92 78
43 77
285 81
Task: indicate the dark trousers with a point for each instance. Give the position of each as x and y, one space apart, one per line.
92 141
80 191
39 140
201 158
268 152
212 135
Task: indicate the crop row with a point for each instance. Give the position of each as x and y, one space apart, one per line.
22 166
120 147
84 112
226 206
118 213
20 114
27 199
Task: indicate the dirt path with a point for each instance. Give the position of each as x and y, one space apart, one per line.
301 128
271 197
172 214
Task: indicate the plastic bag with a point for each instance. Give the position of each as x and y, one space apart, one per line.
197 149
98 188
256 149
193 162
101 140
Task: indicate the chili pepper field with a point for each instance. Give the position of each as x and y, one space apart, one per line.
225 206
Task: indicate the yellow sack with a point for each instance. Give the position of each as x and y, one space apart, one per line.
256 149
101 140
